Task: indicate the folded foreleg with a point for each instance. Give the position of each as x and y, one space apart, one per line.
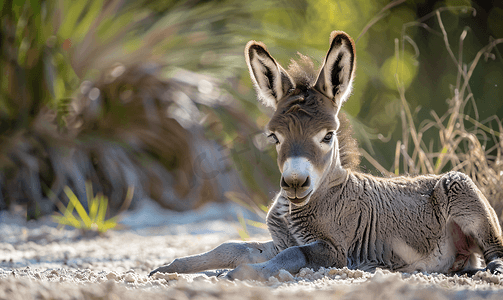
314 255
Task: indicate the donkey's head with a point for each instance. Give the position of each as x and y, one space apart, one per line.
305 123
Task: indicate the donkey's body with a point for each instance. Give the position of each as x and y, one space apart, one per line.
400 224
327 214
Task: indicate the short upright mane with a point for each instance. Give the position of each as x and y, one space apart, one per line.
303 71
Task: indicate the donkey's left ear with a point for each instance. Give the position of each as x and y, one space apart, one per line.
336 75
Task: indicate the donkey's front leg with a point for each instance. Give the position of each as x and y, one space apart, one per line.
226 256
314 255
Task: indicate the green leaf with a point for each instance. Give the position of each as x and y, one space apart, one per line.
92 202
67 220
90 16
72 15
109 224
78 207
102 210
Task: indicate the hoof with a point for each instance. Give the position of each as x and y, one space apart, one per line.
163 269
496 266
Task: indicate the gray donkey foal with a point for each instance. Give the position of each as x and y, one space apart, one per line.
329 215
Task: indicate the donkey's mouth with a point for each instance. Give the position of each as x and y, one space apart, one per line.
297 200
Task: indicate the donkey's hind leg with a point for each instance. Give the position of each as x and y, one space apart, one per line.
226 256
470 210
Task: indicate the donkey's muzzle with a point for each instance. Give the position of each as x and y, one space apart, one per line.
296 184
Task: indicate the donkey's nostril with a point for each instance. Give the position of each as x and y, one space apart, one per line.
283 183
306 183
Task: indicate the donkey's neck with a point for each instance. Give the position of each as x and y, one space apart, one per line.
336 176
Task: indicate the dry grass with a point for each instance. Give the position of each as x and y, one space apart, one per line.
464 143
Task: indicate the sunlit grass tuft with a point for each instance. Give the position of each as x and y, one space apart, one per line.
94 220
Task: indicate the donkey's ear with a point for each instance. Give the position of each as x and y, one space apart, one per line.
336 74
269 78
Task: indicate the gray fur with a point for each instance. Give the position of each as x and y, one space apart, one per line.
328 215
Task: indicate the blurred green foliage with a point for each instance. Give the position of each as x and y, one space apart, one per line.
50 47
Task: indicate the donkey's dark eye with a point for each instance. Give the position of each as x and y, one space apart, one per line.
273 138
328 137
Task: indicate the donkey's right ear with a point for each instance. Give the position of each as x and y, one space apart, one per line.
336 74
270 79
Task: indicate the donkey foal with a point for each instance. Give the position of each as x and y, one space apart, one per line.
329 215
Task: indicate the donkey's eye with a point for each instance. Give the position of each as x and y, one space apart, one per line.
328 137
273 138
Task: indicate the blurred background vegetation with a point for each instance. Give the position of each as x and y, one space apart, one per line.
155 95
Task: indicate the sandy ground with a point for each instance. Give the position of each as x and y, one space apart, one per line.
39 261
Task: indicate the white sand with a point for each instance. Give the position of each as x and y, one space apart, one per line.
38 261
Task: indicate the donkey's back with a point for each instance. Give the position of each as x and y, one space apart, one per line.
327 214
